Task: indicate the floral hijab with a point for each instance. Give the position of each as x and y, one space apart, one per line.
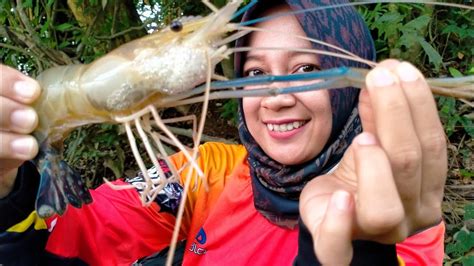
277 187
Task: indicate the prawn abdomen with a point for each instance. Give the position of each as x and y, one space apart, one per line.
63 105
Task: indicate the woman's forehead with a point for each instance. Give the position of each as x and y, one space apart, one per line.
280 32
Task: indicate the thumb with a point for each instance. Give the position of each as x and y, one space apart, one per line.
333 237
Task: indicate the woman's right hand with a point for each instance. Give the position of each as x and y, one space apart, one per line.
17 121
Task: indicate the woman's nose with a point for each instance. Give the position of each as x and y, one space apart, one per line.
278 102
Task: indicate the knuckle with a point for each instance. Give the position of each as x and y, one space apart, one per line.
434 144
5 146
406 158
380 221
394 105
430 214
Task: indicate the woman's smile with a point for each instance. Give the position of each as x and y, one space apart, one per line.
284 129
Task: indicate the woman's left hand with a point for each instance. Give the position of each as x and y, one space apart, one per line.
394 171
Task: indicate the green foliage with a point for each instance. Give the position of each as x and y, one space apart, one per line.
422 34
96 148
460 250
401 31
229 111
453 119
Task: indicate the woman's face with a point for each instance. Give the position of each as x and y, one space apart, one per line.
290 128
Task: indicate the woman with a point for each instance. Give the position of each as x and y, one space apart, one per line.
382 185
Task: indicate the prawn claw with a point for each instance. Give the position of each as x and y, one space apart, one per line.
59 184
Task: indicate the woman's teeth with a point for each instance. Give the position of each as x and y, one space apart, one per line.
285 127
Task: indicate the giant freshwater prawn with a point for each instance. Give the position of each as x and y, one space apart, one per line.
162 70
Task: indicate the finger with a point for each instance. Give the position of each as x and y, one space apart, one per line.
395 130
366 112
16 117
365 105
429 131
333 241
18 87
378 206
17 147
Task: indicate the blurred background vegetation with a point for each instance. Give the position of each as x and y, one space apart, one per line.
38 34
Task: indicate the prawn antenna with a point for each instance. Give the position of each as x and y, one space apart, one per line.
244 9
358 3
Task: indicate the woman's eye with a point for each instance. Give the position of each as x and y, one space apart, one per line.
254 72
308 68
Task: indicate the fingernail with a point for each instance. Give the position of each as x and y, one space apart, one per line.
23 146
366 139
407 72
341 200
26 89
24 119
381 77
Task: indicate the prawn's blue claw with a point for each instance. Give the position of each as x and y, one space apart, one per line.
59 184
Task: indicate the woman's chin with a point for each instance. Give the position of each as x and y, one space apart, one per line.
288 157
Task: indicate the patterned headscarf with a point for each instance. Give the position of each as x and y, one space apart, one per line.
277 187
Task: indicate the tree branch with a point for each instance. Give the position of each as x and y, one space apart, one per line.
14 48
25 21
57 57
25 52
3 32
118 34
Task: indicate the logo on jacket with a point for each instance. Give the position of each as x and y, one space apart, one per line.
201 237
201 240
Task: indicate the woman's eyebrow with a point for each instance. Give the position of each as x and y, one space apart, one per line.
254 57
259 57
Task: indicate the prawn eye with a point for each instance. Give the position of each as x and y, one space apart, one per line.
176 26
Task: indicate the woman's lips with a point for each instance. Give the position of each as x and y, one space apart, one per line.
284 129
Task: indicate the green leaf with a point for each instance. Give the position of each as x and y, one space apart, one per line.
454 72
114 165
388 24
470 71
64 27
466 173
463 242
468 125
408 39
417 24
433 55
64 44
3 17
219 3
44 29
468 212
469 260
28 4
462 32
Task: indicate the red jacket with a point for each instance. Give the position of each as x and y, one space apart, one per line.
221 224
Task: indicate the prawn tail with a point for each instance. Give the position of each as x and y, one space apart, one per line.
59 184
